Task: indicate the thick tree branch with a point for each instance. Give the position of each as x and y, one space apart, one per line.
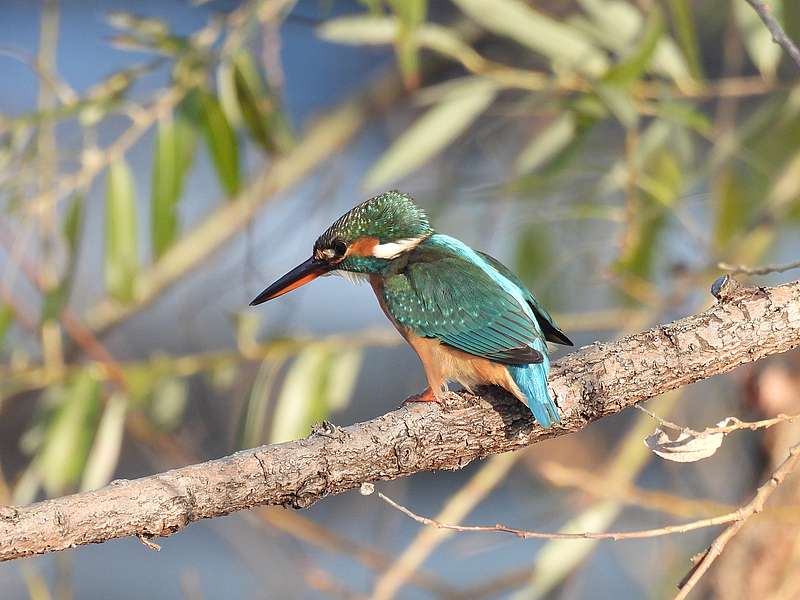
745 325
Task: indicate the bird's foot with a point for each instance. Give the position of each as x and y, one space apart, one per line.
426 396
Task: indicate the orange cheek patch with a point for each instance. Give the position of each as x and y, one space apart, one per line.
363 246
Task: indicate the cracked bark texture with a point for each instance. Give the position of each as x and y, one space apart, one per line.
745 325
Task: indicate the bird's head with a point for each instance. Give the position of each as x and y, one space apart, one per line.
363 240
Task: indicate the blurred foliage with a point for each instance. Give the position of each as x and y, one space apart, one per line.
696 149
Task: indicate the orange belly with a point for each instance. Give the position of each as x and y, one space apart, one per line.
443 363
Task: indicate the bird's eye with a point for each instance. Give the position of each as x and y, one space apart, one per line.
339 248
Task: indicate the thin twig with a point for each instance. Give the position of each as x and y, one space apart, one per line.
526 534
778 34
765 270
736 518
732 424
756 505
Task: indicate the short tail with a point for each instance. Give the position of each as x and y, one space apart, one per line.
532 381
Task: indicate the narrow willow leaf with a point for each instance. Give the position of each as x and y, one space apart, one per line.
174 151
260 108
300 402
764 53
633 66
342 378
686 115
375 7
619 24
6 319
68 435
104 455
370 30
616 23
56 299
733 206
358 30
169 402
655 135
619 103
546 143
121 241
221 142
432 132
410 14
564 45
251 429
226 91
687 36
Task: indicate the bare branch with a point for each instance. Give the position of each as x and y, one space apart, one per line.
736 519
778 34
745 325
754 506
765 270
527 534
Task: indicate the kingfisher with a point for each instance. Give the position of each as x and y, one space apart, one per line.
467 316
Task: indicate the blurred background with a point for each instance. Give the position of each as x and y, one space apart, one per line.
159 167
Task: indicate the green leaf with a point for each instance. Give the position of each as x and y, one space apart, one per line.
564 45
546 143
251 428
174 151
301 401
260 108
121 241
687 36
633 66
654 137
6 319
619 24
56 299
370 30
68 435
733 206
686 115
642 239
104 455
358 30
169 402
375 7
221 142
432 132
619 103
411 14
342 377
764 53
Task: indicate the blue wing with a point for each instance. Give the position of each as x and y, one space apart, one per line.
548 325
439 294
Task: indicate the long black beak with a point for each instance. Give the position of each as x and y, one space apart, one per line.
300 275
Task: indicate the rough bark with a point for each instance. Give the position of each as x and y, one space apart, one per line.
745 325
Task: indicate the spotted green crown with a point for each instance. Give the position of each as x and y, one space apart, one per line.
389 217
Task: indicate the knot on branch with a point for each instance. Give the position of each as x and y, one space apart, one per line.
406 453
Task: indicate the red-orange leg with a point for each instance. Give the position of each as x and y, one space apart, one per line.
425 396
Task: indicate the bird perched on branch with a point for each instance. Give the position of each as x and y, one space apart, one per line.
468 317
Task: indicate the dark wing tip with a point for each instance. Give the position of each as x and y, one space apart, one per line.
553 333
524 355
559 337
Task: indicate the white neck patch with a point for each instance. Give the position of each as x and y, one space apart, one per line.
395 249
